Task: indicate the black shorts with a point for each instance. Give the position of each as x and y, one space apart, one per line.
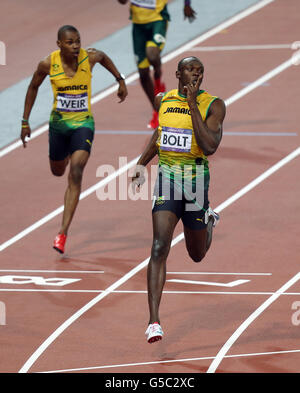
189 203
62 145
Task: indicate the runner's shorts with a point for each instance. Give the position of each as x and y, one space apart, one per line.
63 144
148 34
188 200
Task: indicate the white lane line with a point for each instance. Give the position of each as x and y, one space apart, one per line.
166 292
240 47
239 133
229 101
53 271
217 29
231 274
173 361
269 75
258 180
165 59
216 284
232 339
60 209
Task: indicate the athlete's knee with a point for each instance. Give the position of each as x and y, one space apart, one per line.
160 250
58 168
57 172
153 55
76 173
144 74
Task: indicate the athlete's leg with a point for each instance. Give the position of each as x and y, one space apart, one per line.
147 84
58 167
164 223
58 152
78 161
153 56
198 241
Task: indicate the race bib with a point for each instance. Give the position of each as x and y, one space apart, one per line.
151 4
72 102
176 139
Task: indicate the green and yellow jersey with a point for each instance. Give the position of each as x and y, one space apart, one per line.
147 11
72 95
177 145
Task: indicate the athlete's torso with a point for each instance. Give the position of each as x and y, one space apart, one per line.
146 11
72 95
176 140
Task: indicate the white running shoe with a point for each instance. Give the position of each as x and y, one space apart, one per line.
154 332
212 213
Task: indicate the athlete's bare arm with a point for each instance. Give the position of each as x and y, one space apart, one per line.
39 75
97 56
208 134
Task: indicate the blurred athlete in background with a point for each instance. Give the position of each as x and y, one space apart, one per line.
149 27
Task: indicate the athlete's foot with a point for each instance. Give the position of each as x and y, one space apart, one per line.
154 332
59 243
154 121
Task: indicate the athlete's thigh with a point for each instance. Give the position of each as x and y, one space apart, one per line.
58 152
58 146
164 223
81 139
139 39
158 34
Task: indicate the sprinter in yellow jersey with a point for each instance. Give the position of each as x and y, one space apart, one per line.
149 28
71 126
190 129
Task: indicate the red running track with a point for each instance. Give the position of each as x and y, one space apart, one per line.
47 327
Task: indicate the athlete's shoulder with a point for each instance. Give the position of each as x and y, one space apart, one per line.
170 94
45 65
94 54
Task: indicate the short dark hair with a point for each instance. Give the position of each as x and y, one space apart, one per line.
186 60
65 28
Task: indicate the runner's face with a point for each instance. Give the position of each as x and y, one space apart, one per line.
70 44
190 72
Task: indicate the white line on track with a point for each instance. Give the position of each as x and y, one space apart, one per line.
40 350
232 339
240 47
223 273
165 292
54 271
60 209
166 58
173 361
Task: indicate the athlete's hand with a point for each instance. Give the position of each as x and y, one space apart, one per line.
122 91
189 13
138 178
192 89
25 132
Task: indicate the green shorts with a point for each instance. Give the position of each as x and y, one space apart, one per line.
145 35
